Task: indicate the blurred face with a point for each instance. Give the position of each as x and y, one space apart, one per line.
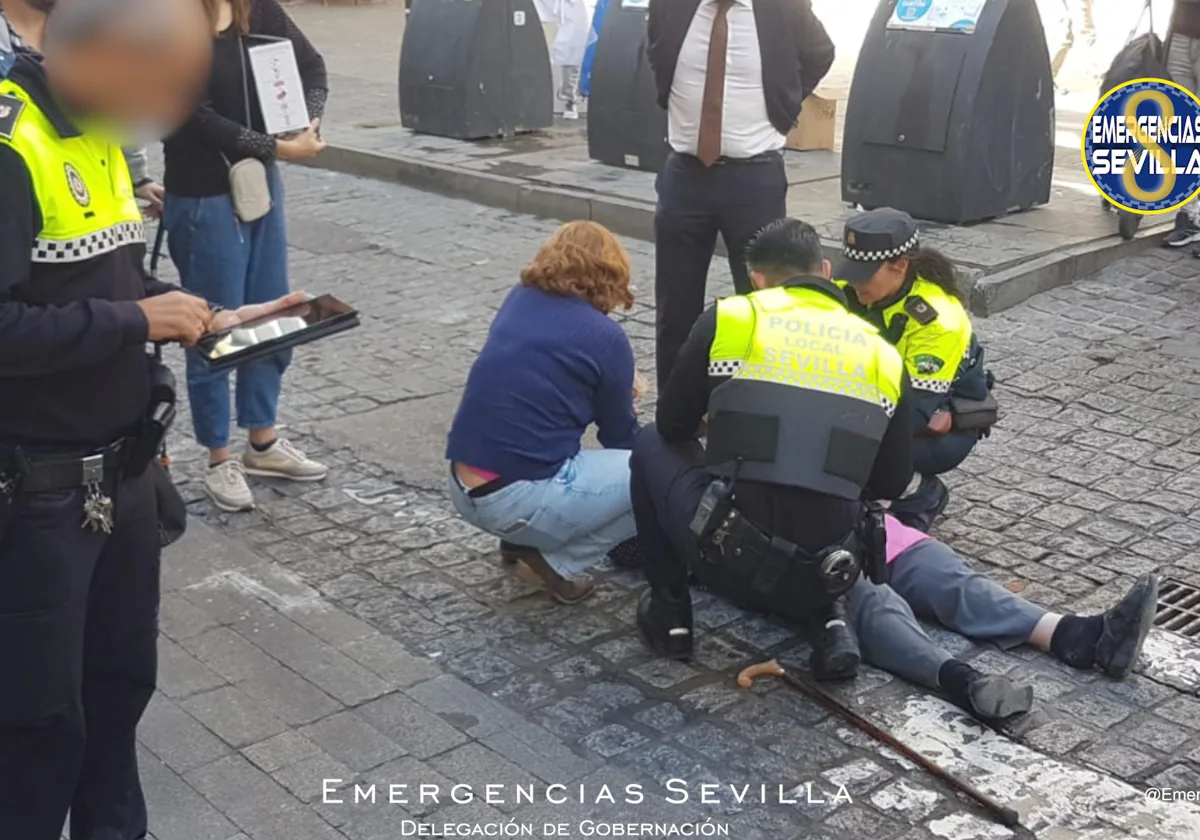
131 85
883 284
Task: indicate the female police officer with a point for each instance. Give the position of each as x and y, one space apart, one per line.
911 295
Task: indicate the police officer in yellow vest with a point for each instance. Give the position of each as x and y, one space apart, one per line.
911 294
79 524
807 419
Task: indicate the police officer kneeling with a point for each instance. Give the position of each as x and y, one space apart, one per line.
80 409
807 416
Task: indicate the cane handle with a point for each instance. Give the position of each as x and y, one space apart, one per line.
764 669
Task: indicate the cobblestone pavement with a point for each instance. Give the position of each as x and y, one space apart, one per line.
357 630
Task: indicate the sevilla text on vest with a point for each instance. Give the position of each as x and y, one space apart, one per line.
817 363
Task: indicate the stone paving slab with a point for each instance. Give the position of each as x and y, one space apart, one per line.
358 630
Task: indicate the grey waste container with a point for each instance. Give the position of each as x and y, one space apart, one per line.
625 126
951 126
471 69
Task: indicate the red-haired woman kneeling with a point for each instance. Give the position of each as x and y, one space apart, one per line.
553 364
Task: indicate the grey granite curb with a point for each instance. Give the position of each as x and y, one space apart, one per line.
987 293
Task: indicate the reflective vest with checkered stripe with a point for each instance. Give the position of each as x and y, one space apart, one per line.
82 186
832 381
933 352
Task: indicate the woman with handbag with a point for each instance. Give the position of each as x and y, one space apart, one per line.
911 294
226 235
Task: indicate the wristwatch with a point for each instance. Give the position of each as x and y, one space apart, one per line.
143 182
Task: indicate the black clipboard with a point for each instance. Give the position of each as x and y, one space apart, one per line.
303 323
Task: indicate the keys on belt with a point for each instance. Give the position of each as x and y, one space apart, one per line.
41 473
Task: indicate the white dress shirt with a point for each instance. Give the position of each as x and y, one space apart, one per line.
746 130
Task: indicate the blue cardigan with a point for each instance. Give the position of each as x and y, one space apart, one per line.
551 366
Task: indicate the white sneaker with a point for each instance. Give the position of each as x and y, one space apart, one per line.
226 485
283 460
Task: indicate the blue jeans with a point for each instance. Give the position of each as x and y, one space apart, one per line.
230 263
573 519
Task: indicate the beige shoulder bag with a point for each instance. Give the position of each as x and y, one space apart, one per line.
248 186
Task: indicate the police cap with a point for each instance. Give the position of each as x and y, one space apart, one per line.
872 238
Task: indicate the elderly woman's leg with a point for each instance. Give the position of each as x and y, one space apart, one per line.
890 638
940 585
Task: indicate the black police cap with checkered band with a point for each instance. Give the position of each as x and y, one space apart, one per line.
872 238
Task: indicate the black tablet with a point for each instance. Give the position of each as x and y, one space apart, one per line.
283 330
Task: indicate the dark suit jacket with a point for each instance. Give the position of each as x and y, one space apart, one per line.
796 51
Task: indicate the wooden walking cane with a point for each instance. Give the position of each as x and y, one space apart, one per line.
1006 816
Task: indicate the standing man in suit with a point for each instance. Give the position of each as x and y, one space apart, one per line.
731 75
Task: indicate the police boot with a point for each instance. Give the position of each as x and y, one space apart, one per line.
665 622
926 504
835 653
990 698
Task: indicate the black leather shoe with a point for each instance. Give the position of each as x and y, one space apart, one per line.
991 699
1126 626
924 506
666 624
835 654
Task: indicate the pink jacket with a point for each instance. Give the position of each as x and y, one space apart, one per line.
900 538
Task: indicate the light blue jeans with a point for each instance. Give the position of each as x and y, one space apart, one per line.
573 519
230 263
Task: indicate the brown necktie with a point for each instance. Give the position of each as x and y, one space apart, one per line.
708 144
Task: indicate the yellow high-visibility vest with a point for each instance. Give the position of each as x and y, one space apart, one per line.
82 185
821 375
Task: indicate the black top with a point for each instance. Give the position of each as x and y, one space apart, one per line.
72 338
194 166
796 50
810 520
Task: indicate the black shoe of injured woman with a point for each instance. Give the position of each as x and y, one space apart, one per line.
991 698
665 622
835 653
1111 641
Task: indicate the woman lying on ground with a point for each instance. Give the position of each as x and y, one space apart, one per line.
929 579
553 364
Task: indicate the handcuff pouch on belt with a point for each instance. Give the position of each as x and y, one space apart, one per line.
872 541
146 445
743 550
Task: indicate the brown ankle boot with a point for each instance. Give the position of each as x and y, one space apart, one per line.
534 568
512 553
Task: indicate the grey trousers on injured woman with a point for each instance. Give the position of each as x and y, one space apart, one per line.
931 581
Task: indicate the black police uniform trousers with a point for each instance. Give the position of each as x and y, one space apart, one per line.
735 198
666 482
938 454
78 661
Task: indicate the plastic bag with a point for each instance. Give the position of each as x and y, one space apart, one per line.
1144 57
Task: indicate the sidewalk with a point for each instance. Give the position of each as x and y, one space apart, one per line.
549 173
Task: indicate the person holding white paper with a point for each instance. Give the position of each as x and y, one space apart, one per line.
225 227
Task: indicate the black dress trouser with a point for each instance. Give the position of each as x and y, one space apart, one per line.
78 661
666 483
735 198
